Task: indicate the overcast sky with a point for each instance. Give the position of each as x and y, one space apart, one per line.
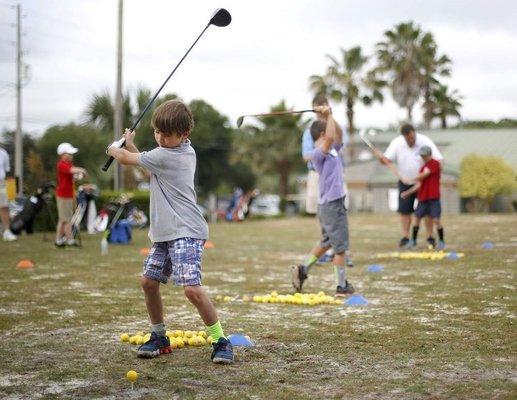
265 55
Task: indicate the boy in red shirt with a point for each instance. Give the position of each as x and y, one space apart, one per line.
428 187
65 193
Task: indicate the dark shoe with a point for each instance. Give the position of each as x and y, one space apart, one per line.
403 242
431 242
345 291
155 346
298 276
223 351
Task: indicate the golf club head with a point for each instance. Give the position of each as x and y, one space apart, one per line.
239 121
221 18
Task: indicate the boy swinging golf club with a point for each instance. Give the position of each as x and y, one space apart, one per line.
178 230
331 208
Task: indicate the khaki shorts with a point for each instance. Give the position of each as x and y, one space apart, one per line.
65 209
311 200
3 195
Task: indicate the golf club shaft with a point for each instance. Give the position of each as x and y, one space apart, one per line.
110 160
390 166
271 114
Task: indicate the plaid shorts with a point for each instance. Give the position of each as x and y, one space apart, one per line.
180 258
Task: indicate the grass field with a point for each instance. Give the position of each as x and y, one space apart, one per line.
433 329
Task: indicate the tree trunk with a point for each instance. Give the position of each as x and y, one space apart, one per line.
284 170
351 128
444 121
428 107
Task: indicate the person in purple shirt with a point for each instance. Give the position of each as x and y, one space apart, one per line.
331 208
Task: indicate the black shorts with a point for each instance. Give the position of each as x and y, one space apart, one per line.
433 208
407 205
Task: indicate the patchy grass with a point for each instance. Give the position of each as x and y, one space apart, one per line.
434 329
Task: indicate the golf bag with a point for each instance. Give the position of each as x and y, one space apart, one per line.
117 218
23 218
86 195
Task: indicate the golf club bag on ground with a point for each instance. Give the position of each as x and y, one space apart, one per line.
115 220
86 195
22 218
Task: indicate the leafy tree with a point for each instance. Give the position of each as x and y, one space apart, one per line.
272 148
485 177
212 140
399 56
445 103
346 81
433 66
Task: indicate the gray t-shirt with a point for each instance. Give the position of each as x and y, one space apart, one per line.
173 208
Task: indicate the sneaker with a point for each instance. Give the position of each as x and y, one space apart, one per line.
155 346
403 242
60 243
411 244
431 243
298 276
345 291
440 245
223 351
9 236
72 242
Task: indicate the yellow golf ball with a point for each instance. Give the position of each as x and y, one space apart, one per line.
132 376
124 337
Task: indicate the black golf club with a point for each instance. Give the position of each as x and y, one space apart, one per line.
221 17
240 120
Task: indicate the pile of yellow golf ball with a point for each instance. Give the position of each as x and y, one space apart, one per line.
178 338
310 299
415 255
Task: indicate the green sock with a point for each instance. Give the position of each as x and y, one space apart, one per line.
216 331
310 262
340 275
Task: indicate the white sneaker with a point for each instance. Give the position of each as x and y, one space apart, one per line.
71 242
9 236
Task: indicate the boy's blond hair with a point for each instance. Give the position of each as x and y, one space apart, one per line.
173 118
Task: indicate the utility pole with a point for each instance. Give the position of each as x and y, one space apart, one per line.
18 142
118 180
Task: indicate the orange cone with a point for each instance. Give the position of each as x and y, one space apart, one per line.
209 244
145 251
25 264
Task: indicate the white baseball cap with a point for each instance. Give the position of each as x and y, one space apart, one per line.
66 148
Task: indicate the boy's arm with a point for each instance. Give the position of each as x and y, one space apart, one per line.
330 130
123 156
130 144
411 190
424 174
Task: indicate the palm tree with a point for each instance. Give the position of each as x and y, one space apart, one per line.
432 68
445 103
272 147
100 112
345 81
399 56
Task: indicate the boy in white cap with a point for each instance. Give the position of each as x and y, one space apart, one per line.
65 193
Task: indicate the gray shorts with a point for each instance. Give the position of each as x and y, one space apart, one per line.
334 225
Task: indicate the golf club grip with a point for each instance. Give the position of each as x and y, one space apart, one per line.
107 164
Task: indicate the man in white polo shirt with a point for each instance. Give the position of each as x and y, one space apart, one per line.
7 235
404 151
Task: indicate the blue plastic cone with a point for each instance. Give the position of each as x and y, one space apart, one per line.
487 245
356 300
453 256
240 340
375 268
